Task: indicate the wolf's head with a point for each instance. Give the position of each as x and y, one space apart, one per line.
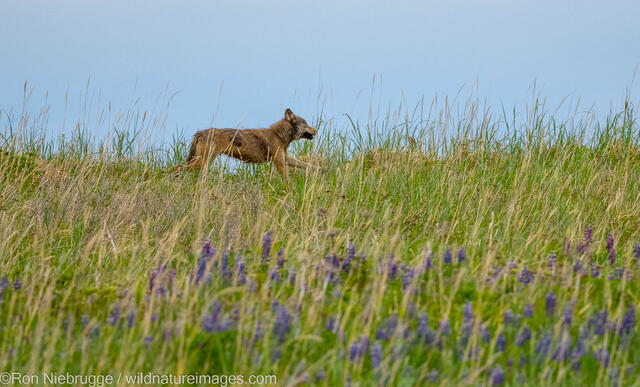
300 127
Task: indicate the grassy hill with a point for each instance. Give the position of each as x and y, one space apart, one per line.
496 254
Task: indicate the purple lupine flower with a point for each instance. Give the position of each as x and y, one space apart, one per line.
567 312
523 337
636 252
528 311
224 265
526 276
280 258
211 321
511 319
386 332
393 266
407 275
131 317
551 260
467 311
445 327
321 375
588 233
602 356
485 334
241 276
259 333
115 314
17 285
282 325
4 283
292 278
497 376
274 275
429 336
205 256
423 324
331 323
85 319
563 352
578 352
148 340
577 266
462 255
628 321
447 256
599 322
266 247
351 252
543 345
619 272
428 259
353 351
550 303
432 376
376 355
567 247
595 271
501 342
611 250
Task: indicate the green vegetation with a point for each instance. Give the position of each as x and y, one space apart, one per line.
104 271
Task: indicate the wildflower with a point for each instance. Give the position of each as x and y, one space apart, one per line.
148 340
595 271
462 255
577 266
205 256
485 334
258 334
427 259
292 278
393 266
467 311
432 376
602 355
423 324
131 317
567 312
551 260
577 354
429 336
611 250
588 232
376 355
241 276
526 276
528 311
166 334
501 343
115 314
85 319
280 258
567 247
523 337
445 327
447 256
510 318
17 285
636 252
628 321
598 322
211 321
563 351
266 247
282 325
543 345
497 376
330 325
550 303
274 275
407 276
224 265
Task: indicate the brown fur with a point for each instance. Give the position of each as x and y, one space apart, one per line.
251 145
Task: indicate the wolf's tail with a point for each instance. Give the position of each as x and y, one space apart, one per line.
192 154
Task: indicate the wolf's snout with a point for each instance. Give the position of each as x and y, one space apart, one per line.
309 133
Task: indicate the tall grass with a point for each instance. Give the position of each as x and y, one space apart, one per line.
410 260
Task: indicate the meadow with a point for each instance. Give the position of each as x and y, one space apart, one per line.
447 246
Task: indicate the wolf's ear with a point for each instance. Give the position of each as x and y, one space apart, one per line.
288 115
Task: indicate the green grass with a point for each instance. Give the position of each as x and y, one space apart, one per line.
86 226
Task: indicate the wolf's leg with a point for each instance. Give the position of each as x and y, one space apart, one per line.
297 163
280 162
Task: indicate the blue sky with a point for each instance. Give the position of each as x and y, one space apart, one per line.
267 56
